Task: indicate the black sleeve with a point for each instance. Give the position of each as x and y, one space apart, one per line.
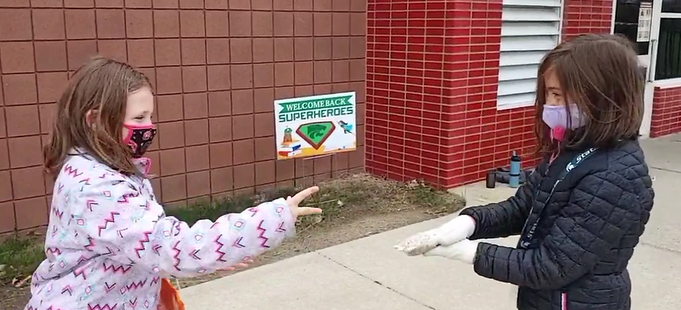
506 218
597 215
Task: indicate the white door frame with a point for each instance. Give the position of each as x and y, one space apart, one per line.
649 92
647 61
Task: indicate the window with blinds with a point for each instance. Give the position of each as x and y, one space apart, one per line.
529 30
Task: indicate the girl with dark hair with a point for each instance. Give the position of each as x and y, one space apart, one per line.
583 210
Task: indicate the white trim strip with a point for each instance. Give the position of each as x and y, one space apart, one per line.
668 83
546 3
503 107
670 15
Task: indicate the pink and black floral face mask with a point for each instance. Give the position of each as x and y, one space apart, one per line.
139 138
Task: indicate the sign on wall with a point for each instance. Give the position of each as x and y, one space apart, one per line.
645 18
315 125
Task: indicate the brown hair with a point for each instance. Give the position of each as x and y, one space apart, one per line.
600 74
100 85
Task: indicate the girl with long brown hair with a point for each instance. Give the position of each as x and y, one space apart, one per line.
582 211
109 243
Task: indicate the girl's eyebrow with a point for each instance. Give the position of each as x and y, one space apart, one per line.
553 88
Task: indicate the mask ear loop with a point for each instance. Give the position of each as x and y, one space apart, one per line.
557 134
128 137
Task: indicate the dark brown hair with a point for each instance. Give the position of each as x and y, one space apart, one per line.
600 74
101 85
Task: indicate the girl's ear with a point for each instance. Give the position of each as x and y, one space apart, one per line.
91 117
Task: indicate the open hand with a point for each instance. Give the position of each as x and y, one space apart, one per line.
464 250
460 228
420 243
294 201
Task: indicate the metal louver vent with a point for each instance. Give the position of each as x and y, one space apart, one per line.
530 29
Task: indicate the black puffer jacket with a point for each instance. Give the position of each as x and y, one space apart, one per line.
576 258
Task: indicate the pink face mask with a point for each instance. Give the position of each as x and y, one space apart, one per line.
139 138
558 119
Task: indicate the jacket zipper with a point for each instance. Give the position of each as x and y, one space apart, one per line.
563 301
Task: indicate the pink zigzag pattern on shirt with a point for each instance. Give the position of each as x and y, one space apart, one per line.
176 257
281 228
53 251
67 289
82 259
195 254
91 203
237 243
154 281
69 170
120 232
156 249
262 235
141 247
219 249
136 285
133 303
109 287
177 227
79 272
110 219
124 198
108 251
253 211
90 244
102 307
57 212
116 269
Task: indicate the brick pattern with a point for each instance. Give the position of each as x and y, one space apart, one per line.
666 112
216 65
432 72
592 16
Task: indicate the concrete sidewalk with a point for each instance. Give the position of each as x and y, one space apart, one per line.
369 274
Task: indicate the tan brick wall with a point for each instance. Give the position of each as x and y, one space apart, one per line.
216 65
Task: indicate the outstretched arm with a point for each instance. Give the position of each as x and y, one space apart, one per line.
598 214
127 226
505 218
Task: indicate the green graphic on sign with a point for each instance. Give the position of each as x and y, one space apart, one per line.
310 109
316 133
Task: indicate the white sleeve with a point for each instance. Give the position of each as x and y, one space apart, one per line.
121 222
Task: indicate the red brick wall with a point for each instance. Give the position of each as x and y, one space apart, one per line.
432 89
432 72
217 66
666 112
586 16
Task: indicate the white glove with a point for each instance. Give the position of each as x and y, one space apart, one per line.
464 251
460 228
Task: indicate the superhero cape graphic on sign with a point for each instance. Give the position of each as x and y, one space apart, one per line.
316 133
315 125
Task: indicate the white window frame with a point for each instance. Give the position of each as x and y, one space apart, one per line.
506 70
